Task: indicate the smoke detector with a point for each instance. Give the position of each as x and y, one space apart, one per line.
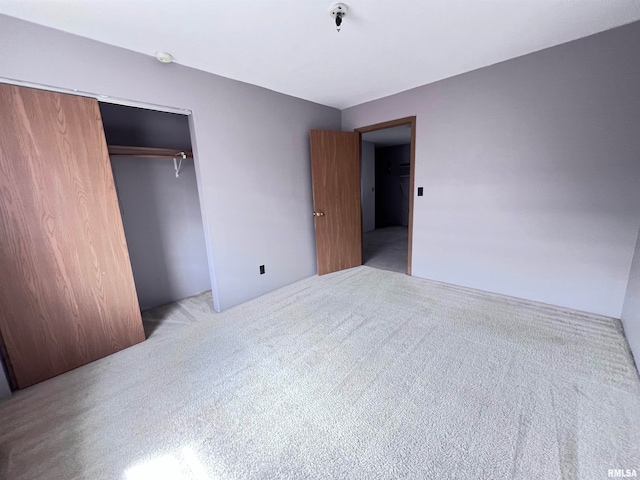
164 57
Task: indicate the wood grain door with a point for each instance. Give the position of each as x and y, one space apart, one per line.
335 170
67 295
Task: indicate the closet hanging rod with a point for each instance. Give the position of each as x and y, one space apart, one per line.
147 152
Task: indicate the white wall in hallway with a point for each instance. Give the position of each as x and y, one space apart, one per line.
367 184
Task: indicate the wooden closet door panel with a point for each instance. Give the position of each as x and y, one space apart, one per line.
67 295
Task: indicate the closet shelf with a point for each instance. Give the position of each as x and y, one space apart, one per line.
147 152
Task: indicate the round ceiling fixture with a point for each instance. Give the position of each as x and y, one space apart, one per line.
338 11
164 57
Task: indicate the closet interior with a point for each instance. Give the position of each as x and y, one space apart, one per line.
99 219
155 179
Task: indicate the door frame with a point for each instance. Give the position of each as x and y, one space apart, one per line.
412 163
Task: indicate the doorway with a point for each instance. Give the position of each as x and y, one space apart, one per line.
386 177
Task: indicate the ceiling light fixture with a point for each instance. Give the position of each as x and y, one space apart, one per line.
338 11
164 57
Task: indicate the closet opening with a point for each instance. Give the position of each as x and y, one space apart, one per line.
155 178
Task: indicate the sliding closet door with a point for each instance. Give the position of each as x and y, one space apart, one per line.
67 295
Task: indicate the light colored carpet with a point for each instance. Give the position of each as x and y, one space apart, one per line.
386 248
361 374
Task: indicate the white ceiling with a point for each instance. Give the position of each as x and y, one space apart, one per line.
389 137
292 46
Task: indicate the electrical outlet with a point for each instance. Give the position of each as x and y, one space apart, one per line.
419 191
261 269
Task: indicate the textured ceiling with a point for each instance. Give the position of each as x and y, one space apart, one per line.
291 46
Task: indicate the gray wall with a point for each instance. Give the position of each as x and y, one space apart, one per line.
163 226
251 148
367 186
631 308
392 186
530 171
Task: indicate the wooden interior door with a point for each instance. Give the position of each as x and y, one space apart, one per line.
67 295
335 170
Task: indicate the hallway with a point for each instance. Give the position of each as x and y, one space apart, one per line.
386 249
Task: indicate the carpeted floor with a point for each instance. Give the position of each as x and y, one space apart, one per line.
360 374
386 248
